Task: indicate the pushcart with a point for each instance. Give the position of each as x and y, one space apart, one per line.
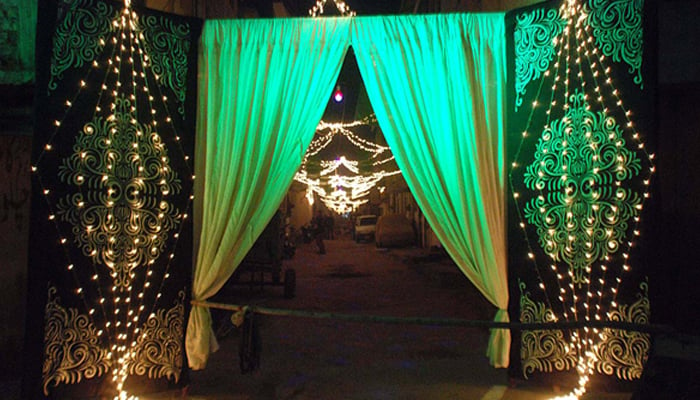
263 266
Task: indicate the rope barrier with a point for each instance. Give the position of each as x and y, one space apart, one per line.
516 326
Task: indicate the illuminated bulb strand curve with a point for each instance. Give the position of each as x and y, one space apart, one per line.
337 198
343 8
127 54
586 300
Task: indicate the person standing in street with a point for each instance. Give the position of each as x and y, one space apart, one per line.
318 224
329 227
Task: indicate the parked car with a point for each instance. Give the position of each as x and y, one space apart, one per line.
364 227
394 230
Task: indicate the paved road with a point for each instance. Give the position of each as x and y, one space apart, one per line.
330 359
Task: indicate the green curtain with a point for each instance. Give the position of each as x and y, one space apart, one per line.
437 84
263 87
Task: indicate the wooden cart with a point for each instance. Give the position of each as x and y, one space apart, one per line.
262 266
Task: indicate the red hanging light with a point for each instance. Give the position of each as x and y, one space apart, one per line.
338 95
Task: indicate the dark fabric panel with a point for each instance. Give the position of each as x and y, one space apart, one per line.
110 253
549 165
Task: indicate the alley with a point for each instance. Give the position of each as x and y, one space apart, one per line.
329 359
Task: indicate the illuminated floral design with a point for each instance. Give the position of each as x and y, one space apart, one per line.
580 207
71 346
167 43
79 37
158 351
617 28
534 46
119 211
73 351
542 350
619 352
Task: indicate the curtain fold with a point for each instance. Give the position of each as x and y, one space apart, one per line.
437 84
263 87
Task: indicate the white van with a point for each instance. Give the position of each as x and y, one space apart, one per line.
364 228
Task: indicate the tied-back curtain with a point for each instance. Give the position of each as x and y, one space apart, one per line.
263 87
437 84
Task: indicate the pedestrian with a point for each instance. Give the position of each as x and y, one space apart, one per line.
329 227
318 224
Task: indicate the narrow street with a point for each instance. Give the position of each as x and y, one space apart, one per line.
305 358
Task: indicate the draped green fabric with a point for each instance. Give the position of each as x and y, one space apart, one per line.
263 87
437 84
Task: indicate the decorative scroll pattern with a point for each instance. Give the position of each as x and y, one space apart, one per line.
79 37
582 211
534 37
624 353
167 44
542 350
73 352
158 351
120 214
617 28
71 346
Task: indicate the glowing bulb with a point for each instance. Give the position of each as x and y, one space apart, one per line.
338 95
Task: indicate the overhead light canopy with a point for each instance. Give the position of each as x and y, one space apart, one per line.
343 8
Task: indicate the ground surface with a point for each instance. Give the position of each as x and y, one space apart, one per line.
324 359
329 359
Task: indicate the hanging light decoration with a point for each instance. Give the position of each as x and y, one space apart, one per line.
338 95
131 235
580 245
343 8
343 193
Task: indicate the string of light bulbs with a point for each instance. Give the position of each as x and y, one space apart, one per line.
318 8
124 86
579 70
339 192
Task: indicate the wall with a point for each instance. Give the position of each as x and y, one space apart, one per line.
14 230
676 296
17 26
17 32
301 210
